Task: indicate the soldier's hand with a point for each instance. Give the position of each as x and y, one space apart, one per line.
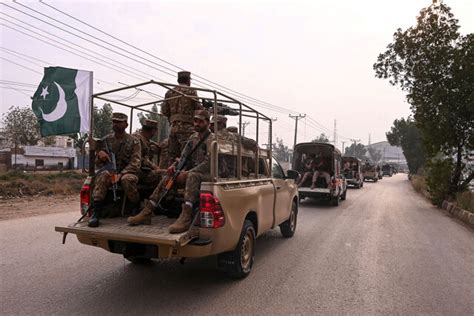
171 169
103 156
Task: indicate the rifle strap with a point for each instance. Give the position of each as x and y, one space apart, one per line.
202 140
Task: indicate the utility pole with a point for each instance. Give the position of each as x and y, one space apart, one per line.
296 118
369 140
343 142
335 134
244 124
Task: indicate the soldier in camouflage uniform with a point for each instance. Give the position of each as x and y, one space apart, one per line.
197 170
164 156
180 111
150 174
127 152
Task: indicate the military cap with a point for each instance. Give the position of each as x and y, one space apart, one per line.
150 123
184 75
202 115
220 119
116 116
232 129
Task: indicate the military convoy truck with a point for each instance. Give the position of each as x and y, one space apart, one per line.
352 169
234 209
326 160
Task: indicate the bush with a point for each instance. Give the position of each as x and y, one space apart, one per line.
465 200
438 178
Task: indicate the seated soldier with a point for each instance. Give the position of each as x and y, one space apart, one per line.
196 171
320 169
308 168
127 152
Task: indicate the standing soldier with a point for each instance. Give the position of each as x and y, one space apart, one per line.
149 174
197 170
127 151
180 111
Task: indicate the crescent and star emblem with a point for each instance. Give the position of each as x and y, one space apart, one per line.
61 106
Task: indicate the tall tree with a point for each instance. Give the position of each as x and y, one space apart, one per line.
434 64
21 126
281 151
163 126
356 150
102 120
321 139
405 134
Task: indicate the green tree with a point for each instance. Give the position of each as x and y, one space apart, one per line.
163 126
434 64
321 139
280 151
374 153
21 126
49 140
356 150
102 120
405 134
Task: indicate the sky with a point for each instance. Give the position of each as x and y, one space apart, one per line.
309 57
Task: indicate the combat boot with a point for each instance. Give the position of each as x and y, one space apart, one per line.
184 220
144 217
94 220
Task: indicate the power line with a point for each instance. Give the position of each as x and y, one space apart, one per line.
154 56
20 65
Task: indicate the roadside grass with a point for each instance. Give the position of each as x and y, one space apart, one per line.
465 200
419 184
20 183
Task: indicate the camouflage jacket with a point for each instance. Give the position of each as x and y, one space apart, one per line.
228 135
199 161
146 152
127 152
181 109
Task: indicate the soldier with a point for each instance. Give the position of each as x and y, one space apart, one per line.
164 156
180 111
127 156
308 168
197 170
150 174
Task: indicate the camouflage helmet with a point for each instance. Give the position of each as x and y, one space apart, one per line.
202 115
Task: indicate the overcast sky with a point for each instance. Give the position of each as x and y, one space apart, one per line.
312 57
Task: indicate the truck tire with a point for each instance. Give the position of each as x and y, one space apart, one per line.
137 260
362 184
288 227
343 196
238 263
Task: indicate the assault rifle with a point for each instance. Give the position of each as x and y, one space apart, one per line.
111 167
180 165
222 109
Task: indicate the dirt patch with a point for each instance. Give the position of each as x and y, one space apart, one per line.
29 206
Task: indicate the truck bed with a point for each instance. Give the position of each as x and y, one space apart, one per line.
118 229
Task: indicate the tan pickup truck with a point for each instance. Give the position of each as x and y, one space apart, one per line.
233 211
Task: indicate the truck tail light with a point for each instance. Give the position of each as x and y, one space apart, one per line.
211 214
85 196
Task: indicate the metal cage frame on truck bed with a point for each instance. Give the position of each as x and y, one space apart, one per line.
243 110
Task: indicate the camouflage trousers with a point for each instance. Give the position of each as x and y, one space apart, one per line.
103 181
151 178
176 142
192 188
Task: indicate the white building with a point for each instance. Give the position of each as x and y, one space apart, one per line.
38 157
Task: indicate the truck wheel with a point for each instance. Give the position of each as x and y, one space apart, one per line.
239 262
343 196
288 227
362 184
137 260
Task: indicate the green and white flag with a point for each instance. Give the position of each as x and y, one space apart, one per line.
62 101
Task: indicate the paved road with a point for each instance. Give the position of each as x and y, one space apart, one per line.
384 250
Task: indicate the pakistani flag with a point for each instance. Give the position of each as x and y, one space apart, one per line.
62 101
